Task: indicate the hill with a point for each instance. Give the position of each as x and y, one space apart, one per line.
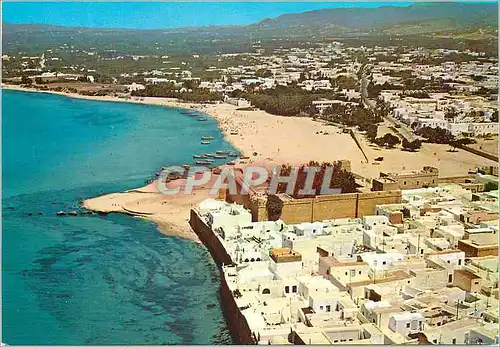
441 19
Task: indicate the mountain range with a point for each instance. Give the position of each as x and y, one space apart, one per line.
427 19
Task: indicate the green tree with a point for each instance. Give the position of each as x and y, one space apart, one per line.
411 145
371 132
388 140
494 116
457 143
490 186
26 80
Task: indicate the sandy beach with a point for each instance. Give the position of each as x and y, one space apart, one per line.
268 138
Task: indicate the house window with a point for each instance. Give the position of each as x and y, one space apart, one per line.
459 261
266 291
404 183
435 340
359 272
454 341
327 271
384 262
407 325
287 289
450 278
417 183
346 273
321 308
328 308
294 289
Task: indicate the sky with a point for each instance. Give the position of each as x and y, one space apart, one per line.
160 15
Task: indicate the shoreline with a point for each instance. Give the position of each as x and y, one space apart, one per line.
154 101
269 139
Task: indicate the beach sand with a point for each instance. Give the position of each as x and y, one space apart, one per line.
278 139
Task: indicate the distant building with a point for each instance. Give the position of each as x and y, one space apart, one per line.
427 177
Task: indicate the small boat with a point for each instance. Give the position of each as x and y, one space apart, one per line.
216 170
234 133
222 152
203 162
198 156
186 167
243 157
231 163
73 213
61 213
209 155
202 119
379 159
232 154
205 142
207 138
220 156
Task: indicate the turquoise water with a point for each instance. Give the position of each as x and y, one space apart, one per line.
98 279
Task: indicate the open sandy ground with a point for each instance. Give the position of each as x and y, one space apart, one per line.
264 138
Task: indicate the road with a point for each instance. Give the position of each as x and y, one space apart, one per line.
401 128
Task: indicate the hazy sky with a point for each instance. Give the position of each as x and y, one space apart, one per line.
160 14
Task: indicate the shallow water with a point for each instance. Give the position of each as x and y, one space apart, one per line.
98 279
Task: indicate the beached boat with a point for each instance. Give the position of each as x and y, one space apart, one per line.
203 162
207 138
234 133
244 157
205 142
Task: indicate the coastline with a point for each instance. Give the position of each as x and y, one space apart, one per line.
156 101
268 139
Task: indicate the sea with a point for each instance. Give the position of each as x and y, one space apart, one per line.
98 280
